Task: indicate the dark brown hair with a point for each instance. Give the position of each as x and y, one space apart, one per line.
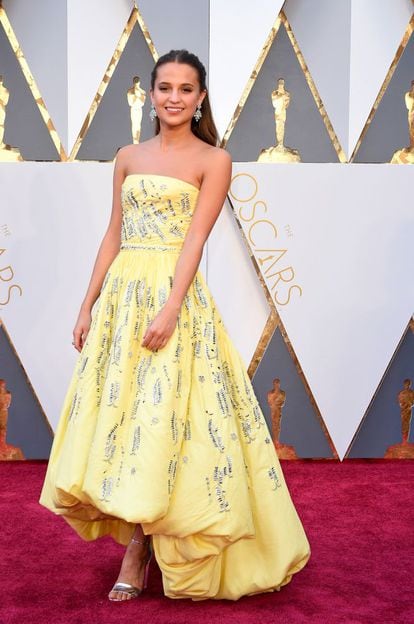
205 129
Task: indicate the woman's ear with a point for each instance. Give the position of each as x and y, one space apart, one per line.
203 95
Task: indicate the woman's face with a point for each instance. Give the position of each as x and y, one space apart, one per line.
176 93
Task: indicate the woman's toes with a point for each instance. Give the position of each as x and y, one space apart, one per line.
115 595
119 595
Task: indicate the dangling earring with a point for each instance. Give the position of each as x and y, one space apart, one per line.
198 114
152 113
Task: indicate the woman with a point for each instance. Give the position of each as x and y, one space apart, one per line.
161 435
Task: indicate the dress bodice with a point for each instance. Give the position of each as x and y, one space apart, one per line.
156 210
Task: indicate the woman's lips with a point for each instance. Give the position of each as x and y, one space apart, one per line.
172 110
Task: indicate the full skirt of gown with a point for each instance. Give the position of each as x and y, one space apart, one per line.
175 439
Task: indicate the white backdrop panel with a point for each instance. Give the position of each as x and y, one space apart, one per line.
323 32
40 28
241 27
235 285
377 29
348 234
172 31
94 29
56 220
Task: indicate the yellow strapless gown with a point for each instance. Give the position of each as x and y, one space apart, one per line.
174 440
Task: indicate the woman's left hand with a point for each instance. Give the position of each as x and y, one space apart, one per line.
160 329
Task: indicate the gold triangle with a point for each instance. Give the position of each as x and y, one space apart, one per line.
407 34
4 21
282 19
134 18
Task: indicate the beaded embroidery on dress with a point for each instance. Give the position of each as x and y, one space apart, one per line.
173 439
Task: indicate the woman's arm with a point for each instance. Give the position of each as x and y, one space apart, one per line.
214 188
108 249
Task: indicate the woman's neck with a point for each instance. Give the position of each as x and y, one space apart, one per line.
174 138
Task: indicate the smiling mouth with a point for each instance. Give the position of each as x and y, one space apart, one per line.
173 109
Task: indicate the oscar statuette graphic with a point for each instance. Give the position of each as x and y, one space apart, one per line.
279 152
136 99
405 156
276 399
7 153
404 450
7 451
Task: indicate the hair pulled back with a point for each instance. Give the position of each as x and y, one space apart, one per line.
205 129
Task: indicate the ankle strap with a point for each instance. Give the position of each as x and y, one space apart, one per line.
137 541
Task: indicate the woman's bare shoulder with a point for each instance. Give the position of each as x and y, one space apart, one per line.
215 156
216 165
133 149
132 153
125 152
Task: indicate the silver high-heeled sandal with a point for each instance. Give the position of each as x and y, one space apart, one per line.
131 590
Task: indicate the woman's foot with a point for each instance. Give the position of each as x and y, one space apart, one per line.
132 570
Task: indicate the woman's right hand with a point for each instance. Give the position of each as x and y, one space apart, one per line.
81 329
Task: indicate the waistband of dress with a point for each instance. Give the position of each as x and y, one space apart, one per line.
143 246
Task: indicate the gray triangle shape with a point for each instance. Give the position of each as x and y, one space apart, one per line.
381 426
24 125
300 426
27 426
305 130
110 128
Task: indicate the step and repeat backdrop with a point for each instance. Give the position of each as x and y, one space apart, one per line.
312 257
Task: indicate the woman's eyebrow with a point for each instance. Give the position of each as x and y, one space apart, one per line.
184 84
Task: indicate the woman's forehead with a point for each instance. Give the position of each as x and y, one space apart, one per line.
181 72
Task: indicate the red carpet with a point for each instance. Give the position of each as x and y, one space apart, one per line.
359 517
